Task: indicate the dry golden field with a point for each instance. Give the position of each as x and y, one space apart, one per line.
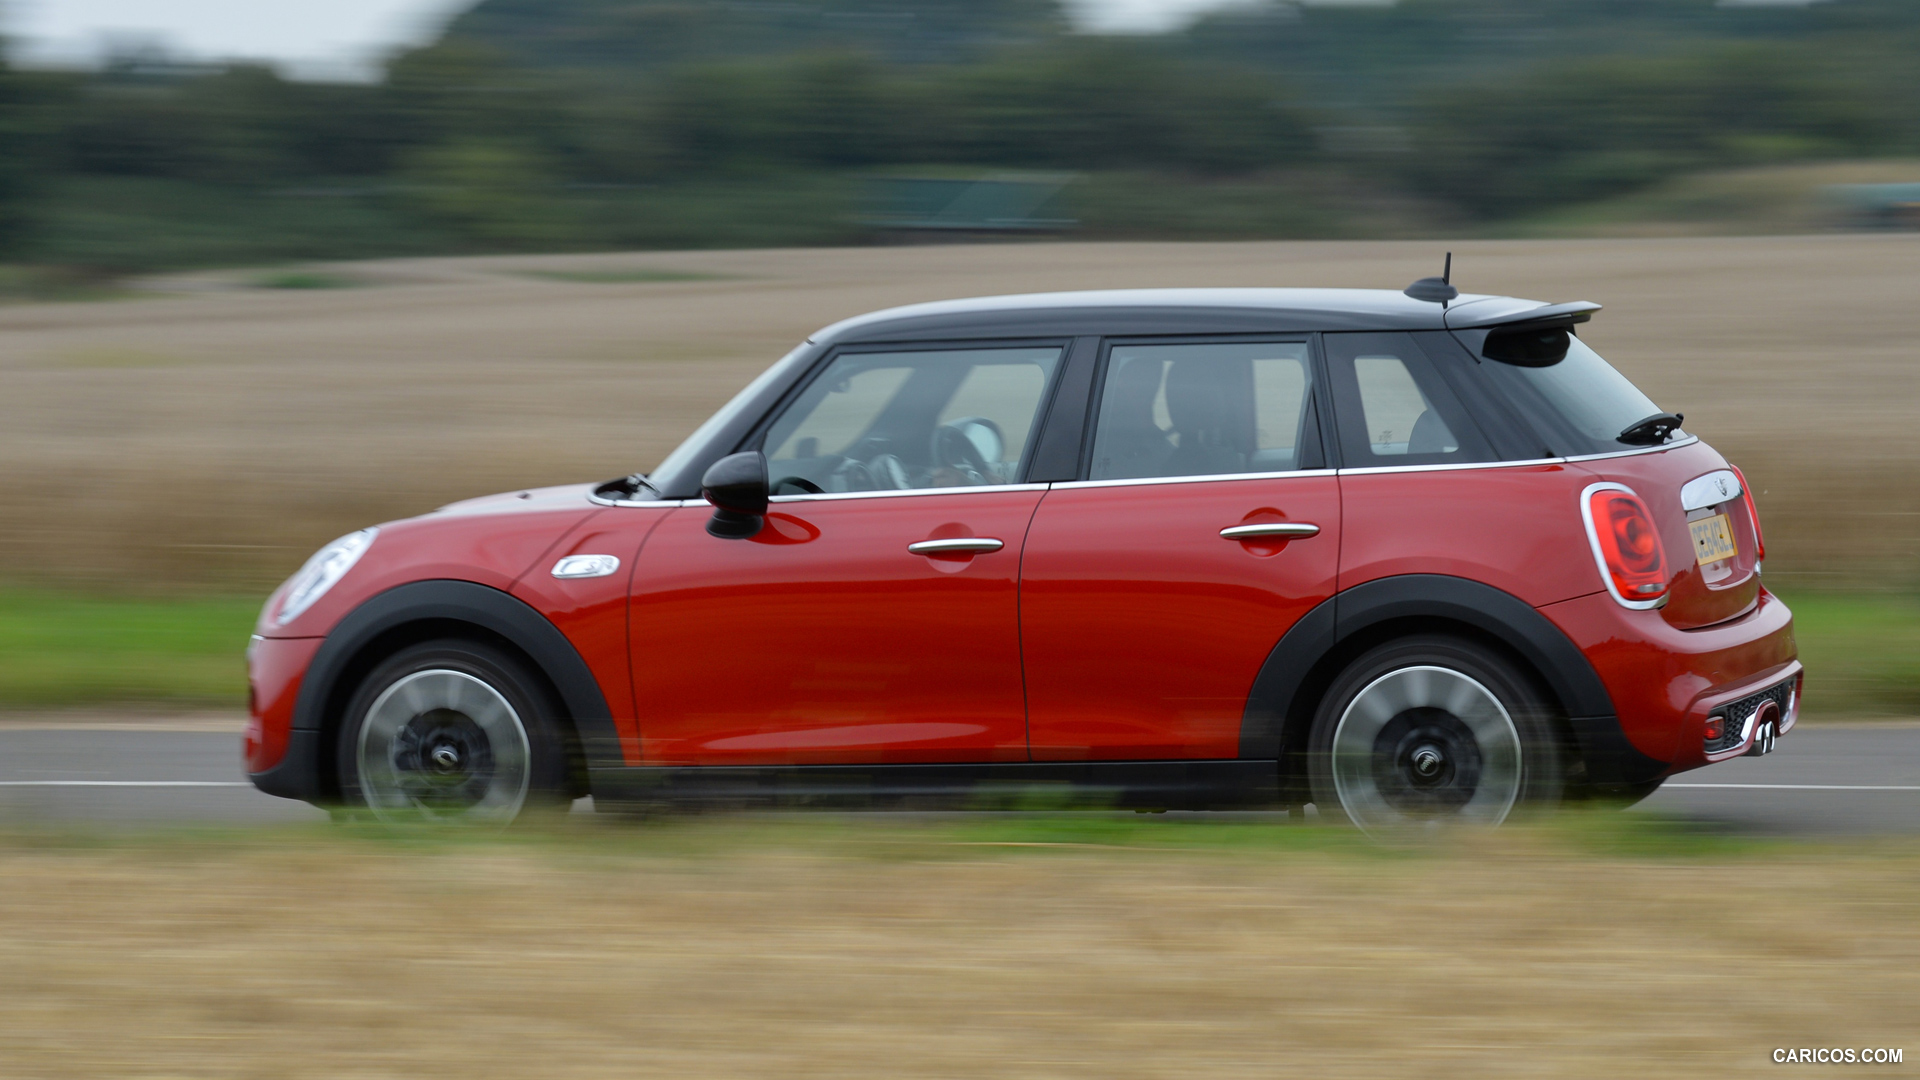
213 434
895 951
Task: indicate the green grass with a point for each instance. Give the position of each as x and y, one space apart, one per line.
64 649
304 279
1862 653
1585 830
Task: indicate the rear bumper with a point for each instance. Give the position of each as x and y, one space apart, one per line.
1665 683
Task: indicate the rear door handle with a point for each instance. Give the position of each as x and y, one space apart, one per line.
959 545
1282 530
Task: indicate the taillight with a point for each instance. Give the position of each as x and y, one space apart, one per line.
1753 515
1626 545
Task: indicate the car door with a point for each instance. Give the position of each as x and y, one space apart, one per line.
1153 590
874 617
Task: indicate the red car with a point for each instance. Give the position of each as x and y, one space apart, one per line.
1404 556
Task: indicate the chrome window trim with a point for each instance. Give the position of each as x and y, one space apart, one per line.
602 500
1368 470
1141 481
894 493
1688 441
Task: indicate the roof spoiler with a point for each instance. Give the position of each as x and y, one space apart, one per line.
1464 317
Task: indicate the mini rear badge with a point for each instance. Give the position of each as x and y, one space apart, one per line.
1709 490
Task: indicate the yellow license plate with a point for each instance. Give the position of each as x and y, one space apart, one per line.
1712 539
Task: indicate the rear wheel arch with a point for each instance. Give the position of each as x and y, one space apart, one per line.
449 610
1303 665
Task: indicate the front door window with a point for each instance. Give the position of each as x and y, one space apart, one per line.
911 420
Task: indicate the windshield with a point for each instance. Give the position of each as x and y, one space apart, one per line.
667 475
1580 404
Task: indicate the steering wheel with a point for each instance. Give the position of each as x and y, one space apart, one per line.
801 482
966 444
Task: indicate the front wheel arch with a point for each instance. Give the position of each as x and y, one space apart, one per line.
426 610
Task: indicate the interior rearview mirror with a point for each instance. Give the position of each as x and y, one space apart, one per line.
736 485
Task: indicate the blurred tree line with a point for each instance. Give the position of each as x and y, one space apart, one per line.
597 123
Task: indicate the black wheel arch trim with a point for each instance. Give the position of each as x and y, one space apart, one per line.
304 772
1280 706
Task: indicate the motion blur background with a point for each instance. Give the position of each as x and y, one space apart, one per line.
270 272
248 305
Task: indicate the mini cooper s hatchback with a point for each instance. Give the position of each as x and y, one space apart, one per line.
1406 557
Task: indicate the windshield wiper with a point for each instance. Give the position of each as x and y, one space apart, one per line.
1652 431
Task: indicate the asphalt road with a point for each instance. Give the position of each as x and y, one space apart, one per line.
1834 780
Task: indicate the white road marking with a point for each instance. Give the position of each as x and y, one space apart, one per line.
1801 787
124 783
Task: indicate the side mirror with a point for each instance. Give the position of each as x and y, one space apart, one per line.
736 485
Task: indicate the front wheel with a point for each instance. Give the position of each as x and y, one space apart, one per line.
1433 729
451 731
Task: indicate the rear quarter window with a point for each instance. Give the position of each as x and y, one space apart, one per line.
1392 406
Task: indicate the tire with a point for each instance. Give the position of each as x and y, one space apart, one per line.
452 731
1433 729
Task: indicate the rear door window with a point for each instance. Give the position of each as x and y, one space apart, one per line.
1392 407
1205 409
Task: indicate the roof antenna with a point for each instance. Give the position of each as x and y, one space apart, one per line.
1435 290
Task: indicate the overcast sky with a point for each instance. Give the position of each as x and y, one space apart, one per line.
320 37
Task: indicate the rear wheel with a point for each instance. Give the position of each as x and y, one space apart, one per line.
1429 730
451 731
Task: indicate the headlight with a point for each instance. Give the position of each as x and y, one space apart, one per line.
321 572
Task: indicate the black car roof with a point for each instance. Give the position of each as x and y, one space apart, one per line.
1186 311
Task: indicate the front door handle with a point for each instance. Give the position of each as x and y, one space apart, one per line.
957 546
1279 530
